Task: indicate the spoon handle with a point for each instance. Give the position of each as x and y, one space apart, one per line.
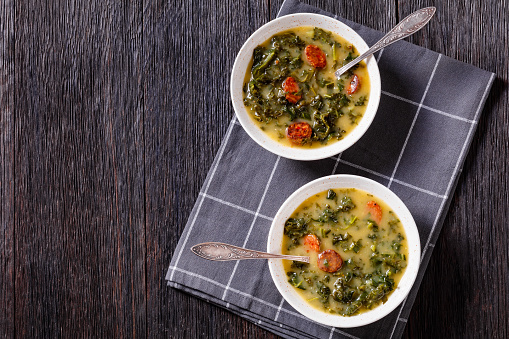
218 251
406 27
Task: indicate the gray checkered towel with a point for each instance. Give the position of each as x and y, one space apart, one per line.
416 146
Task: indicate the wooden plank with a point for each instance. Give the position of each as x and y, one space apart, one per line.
464 292
380 15
189 50
79 195
7 111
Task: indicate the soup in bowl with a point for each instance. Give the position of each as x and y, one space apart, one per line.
363 245
286 95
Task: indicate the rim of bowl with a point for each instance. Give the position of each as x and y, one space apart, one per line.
240 67
275 238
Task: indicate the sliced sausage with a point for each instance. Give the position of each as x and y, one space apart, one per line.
355 83
375 210
315 56
293 98
312 242
329 261
291 87
299 132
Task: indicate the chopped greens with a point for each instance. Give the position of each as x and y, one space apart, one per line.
295 229
360 101
294 280
324 36
331 195
317 97
373 253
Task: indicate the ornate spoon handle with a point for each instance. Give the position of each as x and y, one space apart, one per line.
223 252
406 27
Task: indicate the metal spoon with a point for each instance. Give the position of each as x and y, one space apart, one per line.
218 251
406 27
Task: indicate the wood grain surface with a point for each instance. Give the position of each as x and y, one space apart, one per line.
7 254
111 113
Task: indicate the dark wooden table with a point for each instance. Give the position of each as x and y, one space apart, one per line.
111 113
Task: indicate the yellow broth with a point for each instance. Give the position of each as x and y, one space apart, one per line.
324 104
373 248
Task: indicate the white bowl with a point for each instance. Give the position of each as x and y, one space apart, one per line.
240 68
275 241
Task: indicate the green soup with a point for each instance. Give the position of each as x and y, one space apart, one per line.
366 235
331 107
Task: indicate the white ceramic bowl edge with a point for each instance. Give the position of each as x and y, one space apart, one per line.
275 240
240 68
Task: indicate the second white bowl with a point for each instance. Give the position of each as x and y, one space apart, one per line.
275 241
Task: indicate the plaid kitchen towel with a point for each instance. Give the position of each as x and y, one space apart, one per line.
416 146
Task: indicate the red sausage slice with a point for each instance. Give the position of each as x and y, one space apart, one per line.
375 210
312 242
329 261
299 132
293 98
315 56
291 87
354 85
